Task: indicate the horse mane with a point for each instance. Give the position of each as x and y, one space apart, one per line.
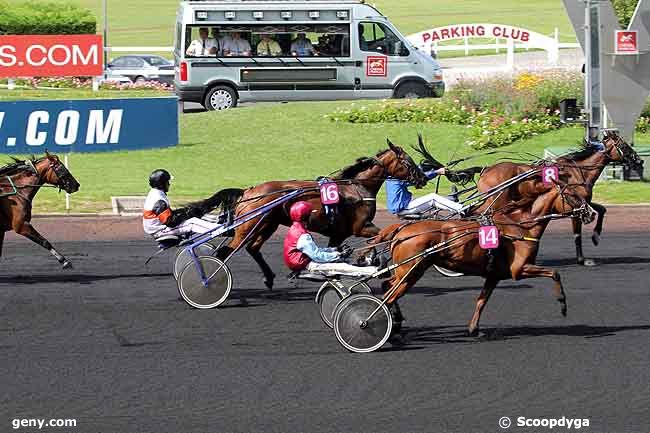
579 155
16 165
360 165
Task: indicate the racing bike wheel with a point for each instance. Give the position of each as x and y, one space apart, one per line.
329 296
216 289
448 273
183 256
356 330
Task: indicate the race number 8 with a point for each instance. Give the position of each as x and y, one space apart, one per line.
329 193
488 237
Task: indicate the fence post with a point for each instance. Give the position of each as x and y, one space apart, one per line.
466 46
554 51
510 57
497 45
11 84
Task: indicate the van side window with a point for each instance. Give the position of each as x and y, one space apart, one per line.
378 38
263 40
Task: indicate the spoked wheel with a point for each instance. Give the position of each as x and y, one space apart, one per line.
330 295
183 256
448 273
353 327
214 292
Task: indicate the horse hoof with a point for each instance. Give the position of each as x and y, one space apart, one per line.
397 339
595 238
268 282
564 310
66 265
581 261
590 263
472 332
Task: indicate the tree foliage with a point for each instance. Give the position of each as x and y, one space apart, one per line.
624 11
40 17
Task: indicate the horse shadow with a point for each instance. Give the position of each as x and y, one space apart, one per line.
422 336
599 261
72 278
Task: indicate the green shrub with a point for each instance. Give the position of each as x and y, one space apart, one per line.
624 11
45 17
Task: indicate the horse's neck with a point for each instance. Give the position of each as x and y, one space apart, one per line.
372 179
28 184
590 168
541 206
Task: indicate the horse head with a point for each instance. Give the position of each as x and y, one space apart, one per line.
618 150
54 172
400 165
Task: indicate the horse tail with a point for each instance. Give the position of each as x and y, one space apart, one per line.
226 199
388 233
464 176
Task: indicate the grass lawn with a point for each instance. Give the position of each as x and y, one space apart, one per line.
128 26
253 144
34 94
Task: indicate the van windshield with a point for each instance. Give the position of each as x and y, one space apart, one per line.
268 40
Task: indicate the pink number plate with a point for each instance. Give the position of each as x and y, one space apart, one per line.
488 237
550 174
329 193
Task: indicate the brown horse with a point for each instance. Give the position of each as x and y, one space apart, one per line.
521 228
19 183
581 169
358 188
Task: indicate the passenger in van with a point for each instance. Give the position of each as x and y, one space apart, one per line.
268 46
220 38
237 46
204 46
302 47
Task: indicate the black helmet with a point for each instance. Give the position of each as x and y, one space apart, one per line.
159 179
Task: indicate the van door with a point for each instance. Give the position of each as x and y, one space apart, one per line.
384 58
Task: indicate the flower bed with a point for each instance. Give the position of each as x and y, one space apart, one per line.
85 83
497 111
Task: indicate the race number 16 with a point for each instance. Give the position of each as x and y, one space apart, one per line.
329 193
488 237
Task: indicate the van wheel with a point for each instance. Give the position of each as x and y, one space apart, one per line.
139 80
412 90
220 98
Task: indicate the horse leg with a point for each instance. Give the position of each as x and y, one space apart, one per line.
2 240
30 233
254 249
598 229
482 300
533 271
577 237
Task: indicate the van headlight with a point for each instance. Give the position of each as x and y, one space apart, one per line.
437 75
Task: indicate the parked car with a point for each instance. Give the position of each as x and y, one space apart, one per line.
145 67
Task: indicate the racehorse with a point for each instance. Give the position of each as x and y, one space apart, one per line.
358 187
583 167
580 169
520 226
23 179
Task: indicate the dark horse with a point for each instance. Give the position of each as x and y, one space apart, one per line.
521 227
582 167
19 183
358 188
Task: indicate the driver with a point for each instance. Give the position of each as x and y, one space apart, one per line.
158 218
400 201
302 253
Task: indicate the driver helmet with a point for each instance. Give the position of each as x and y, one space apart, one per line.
300 211
160 179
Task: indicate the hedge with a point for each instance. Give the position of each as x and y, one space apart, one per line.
45 18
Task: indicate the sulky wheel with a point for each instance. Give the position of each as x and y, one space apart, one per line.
210 295
448 273
353 328
183 256
330 294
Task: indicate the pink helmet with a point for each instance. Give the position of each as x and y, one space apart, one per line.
300 211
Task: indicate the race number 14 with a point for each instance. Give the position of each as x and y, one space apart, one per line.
329 193
488 237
